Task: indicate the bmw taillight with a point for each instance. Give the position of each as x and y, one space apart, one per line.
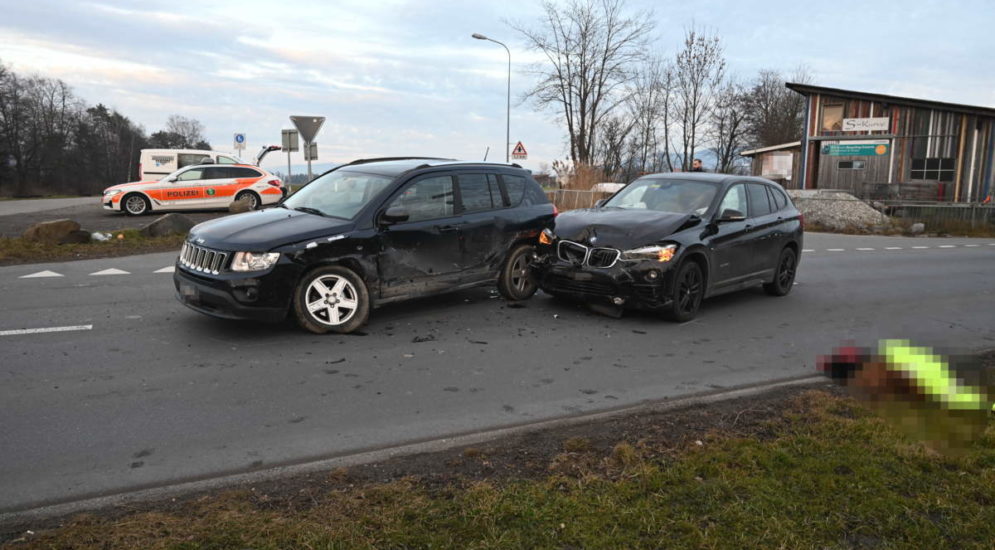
274 182
556 211
801 220
139 172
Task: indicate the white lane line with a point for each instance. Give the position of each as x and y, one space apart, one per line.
920 247
948 246
41 330
991 244
111 271
971 245
892 248
835 250
807 250
169 269
865 249
41 274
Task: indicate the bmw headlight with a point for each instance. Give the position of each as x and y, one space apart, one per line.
111 192
547 237
661 254
254 261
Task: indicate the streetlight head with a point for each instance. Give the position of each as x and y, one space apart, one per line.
479 36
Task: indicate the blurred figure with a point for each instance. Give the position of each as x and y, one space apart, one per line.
696 166
916 390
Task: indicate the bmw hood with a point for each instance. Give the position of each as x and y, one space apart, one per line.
265 230
620 228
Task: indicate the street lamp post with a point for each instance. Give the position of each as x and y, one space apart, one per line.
507 127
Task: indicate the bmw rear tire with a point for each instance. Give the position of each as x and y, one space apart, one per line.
784 274
331 299
252 198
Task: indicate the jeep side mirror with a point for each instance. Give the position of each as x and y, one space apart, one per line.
731 215
395 214
600 202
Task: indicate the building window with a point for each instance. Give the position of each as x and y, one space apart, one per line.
832 117
933 169
850 165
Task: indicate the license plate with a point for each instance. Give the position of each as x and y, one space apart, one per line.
188 291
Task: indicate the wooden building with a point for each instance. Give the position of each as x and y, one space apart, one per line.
881 146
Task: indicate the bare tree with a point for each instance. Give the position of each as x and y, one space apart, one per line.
591 49
728 126
698 74
775 113
190 130
649 105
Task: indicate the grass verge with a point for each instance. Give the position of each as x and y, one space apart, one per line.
20 251
817 472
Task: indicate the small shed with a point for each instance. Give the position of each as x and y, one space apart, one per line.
777 162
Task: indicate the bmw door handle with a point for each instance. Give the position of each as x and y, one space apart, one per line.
447 228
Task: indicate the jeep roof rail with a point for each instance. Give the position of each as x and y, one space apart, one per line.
387 159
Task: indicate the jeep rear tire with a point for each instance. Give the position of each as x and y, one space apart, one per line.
515 282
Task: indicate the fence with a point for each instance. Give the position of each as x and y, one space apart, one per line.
943 215
572 199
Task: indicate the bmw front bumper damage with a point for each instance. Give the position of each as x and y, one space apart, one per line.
622 285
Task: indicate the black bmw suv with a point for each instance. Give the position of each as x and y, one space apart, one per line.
667 241
364 234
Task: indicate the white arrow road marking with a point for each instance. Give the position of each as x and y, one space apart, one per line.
41 274
48 329
169 269
111 271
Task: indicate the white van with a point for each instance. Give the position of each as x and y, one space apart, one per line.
156 164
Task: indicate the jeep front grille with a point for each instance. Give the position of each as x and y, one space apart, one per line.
205 260
578 254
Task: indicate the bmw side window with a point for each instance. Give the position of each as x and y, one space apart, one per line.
226 160
735 199
191 175
427 199
215 173
475 193
779 198
759 203
236 172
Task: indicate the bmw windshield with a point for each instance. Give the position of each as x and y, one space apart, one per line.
338 194
666 195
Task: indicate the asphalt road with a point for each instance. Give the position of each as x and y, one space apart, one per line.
153 393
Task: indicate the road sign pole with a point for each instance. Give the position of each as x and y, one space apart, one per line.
307 147
308 127
288 169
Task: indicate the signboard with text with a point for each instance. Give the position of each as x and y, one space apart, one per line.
856 149
866 124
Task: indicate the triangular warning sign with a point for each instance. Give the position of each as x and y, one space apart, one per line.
519 151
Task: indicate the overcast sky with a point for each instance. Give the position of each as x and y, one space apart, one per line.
404 77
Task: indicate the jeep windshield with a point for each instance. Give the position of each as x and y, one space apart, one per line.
666 195
338 194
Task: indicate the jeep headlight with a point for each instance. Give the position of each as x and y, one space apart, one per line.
254 261
661 254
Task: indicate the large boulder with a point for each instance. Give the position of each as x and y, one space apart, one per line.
170 224
243 204
838 211
50 232
76 237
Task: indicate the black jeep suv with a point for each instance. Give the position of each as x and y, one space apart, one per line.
365 234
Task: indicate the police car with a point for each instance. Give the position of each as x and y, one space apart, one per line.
199 187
